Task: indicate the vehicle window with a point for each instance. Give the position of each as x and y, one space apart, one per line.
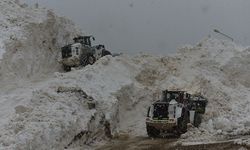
77 51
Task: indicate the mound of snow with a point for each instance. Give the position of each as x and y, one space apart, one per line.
30 40
123 87
44 109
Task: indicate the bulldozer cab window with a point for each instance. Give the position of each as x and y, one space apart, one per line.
174 96
171 96
77 51
168 96
160 111
87 41
66 51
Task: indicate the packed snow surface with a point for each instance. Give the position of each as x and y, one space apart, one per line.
43 107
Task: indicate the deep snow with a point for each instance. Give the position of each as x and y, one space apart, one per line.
36 114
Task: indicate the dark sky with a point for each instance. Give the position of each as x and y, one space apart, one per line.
155 26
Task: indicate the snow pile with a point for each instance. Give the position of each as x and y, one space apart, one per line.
13 17
44 109
50 118
122 88
221 73
30 39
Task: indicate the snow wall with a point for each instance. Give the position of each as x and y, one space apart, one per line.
31 38
50 108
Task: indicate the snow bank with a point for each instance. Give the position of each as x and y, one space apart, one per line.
123 87
42 108
30 39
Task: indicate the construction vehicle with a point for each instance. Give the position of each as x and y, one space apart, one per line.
81 53
172 114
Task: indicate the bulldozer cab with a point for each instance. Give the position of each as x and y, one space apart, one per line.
85 40
179 96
